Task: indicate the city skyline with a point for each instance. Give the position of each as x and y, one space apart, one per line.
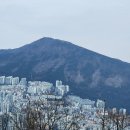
100 26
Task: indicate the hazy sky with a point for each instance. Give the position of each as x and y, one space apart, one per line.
100 25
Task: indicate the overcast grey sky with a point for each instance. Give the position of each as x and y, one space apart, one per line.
99 25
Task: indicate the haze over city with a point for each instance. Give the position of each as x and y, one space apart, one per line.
102 26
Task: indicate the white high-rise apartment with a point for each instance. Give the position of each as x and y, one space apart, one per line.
8 80
23 81
2 80
15 81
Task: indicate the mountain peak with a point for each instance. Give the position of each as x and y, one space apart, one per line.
48 41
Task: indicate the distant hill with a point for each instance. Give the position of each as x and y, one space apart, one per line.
90 75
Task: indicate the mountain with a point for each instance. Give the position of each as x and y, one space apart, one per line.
89 74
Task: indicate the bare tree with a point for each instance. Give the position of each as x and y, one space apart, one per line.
38 115
4 121
118 120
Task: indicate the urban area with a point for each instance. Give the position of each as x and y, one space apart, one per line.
39 105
